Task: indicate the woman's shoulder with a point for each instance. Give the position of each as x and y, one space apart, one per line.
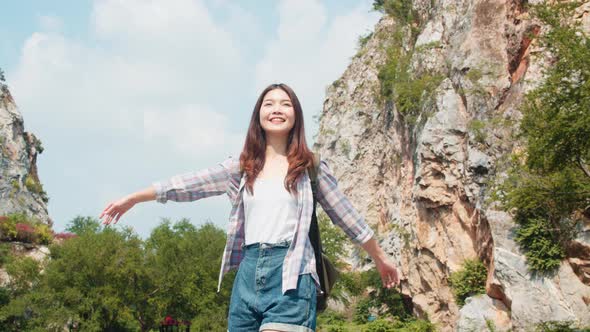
320 161
231 164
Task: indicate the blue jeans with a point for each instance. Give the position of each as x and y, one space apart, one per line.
257 302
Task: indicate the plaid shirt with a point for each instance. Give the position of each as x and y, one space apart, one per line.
224 178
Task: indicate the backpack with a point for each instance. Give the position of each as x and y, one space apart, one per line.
326 271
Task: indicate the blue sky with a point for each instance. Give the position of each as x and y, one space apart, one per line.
123 93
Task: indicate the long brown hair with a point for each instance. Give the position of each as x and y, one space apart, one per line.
253 154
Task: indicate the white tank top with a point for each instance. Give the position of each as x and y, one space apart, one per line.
271 214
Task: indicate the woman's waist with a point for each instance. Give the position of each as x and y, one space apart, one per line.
259 249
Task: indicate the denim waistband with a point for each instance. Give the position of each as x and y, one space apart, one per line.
260 246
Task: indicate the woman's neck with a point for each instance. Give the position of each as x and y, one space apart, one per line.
276 147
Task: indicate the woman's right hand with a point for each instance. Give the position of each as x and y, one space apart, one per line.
115 210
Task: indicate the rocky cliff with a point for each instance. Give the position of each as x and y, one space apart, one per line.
20 188
422 180
21 191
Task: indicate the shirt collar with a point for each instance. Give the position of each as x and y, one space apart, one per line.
242 182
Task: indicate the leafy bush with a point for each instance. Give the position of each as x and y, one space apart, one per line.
362 41
469 280
333 239
8 226
7 230
409 92
34 186
350 282
43 234
381 325
557 326
401 10
24 273
545 205
25 232
477 128
20 227
548 183
361 311
543 252
5 249
390 297
417 325
556 119
330 317
4 296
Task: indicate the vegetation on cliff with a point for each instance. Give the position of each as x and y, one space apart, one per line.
548 184
469 280
407 89
372 307
22 228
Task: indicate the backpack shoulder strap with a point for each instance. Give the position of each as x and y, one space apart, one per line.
313 172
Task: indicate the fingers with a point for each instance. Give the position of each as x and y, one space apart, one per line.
105 210
117 217
391 279
111 214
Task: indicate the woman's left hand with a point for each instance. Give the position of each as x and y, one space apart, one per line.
385 266
388 272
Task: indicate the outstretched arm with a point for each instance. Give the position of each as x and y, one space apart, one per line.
344 215
185 187
195 185
114 210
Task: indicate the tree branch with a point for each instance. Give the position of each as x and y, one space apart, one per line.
583 166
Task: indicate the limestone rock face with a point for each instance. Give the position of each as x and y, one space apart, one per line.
20 188
422 186
19 182
482 313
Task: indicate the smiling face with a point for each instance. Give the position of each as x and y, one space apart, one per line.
277 116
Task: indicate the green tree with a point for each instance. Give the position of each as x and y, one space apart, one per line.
24 274
548 183
80 225
333 239
184 262
108 279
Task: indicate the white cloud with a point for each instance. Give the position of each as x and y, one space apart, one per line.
148 53
191 130
172 31
50 22
311 51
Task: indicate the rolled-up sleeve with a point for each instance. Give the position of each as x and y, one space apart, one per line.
195 185
339 208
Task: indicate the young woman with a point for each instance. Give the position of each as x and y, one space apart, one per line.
270 190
